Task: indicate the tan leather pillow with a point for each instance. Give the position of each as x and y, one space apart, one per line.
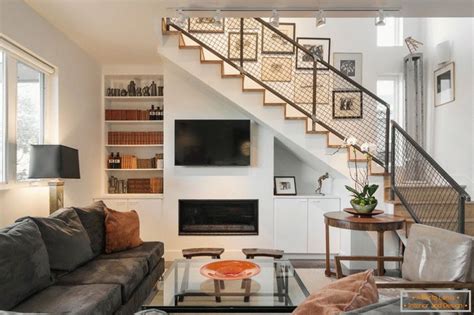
122 230
343 295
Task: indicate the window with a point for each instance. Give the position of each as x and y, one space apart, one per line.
29 115
389 88
391 34
2 118
22 103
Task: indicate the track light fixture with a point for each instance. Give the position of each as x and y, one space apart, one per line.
181 17
218 18
380 20
275 18
320 19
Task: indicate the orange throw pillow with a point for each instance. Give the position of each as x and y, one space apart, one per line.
343 295
122 230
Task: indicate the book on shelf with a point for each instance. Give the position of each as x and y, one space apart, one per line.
153 185
135 137
132 162
131 114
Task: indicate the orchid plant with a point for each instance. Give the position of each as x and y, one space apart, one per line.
362 192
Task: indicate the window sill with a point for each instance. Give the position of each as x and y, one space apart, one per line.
28 184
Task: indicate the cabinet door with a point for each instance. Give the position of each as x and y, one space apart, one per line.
316 226
150 212
290 225
115 204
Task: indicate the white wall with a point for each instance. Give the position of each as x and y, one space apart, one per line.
450 126
78 108
186 98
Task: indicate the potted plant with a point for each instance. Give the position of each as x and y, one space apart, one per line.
363 200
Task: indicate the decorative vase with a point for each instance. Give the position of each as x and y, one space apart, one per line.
364 209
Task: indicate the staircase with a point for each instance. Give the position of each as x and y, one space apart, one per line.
286 75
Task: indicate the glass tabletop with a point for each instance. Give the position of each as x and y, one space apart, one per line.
277 288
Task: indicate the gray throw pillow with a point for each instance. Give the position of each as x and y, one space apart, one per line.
65 238
24 264
93 220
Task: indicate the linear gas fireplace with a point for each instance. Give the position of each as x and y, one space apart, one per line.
218 217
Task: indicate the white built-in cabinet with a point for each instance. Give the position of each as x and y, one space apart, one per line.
299 224
150 212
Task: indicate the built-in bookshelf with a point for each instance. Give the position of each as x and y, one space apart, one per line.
133 115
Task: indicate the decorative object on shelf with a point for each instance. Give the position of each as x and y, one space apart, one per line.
230 270
110 92
159 161
153 89
320 184
117 186
273 43
363 200
123 92
250 41
205 25
346 104
132 89
139 91
412 44
160 91
146 91
116 92
363 214
277 69
350 64
444 84
303 92
319 47
284 185
54 161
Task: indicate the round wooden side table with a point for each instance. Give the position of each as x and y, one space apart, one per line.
379 223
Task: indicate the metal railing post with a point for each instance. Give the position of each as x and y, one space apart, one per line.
242 43
315 87
461 210
387 137
392 166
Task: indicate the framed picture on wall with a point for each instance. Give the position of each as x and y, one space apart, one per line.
319 47
205 25
346 104
350 64
444 84
250 41
303 93
277 69
273 43
285 185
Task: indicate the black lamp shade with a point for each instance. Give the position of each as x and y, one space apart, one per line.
53 161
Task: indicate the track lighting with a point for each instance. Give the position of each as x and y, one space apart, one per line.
181 17
320 19
380 20
218 18
275 18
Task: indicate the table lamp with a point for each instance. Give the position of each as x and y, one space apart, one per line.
55 162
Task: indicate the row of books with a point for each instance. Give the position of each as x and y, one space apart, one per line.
132 162
135 137
152 185
127 114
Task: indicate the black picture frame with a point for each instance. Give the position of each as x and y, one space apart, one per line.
275 190
299 52
208 29
335 99
265 30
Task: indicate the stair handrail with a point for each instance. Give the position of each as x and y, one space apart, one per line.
384 163
463 196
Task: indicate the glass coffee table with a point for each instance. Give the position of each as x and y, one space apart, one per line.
276 289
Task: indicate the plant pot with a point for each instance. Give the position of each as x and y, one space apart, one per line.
364 209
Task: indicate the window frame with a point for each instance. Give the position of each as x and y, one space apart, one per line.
11 62
397 109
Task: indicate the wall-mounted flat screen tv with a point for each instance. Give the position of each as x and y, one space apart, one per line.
212 142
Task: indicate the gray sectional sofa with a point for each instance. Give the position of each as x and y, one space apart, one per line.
58 265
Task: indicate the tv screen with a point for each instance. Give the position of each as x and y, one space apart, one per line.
212 142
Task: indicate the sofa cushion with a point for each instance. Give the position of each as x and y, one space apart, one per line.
434 254
93 219
152 251
122 230
77 299
65 238
127 272
24 264
346 294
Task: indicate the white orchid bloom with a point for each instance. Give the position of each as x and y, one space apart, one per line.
365 147
351 141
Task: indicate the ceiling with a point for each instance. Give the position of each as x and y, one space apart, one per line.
124 31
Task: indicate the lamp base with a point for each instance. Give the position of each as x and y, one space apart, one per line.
56 195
